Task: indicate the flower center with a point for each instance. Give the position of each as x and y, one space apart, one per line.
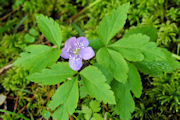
76 51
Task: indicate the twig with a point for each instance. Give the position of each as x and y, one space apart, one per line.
41 37
105 106
16 103
61 13
22 109
81 11
4 17
5 68
9 97
75 15
71 118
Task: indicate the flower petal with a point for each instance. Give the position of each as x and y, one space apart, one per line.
70 42
83 41
87 53
64 53
75 63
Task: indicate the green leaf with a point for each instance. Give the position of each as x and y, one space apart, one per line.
29 39
148 30
95 106
156 68
50 29
96 44
97 116
129 46
7 26
87 111
33 32
53 75
134 80
95 83
112 23
125 103
65 100
137 47
83 92
46 114
115 62
61 114
106 72
37 57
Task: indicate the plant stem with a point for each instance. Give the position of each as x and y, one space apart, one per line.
176 56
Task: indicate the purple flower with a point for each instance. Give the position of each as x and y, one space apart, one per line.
75 50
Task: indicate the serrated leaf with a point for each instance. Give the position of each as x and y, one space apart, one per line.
134 80
95 83
50 29
115 62
143 29
137 47
95 106
156 68
66 99
87 111
129 46
97 116
37 57
106 72
53 75
125 103
112 23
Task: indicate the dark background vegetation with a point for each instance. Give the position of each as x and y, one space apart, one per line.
161 95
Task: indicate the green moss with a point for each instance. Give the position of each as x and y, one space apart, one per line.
161 95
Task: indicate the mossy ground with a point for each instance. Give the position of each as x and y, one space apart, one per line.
161 95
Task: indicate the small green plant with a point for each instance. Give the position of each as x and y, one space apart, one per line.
161 99
120 58
31 36
91 111
166 89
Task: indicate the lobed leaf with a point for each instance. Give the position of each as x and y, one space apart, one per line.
134 80
137 47
50 29
95 106
115 62
125 103
112 23
37 57
148 30
106 72
53 75
65 100
95 43
156 68
95 83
